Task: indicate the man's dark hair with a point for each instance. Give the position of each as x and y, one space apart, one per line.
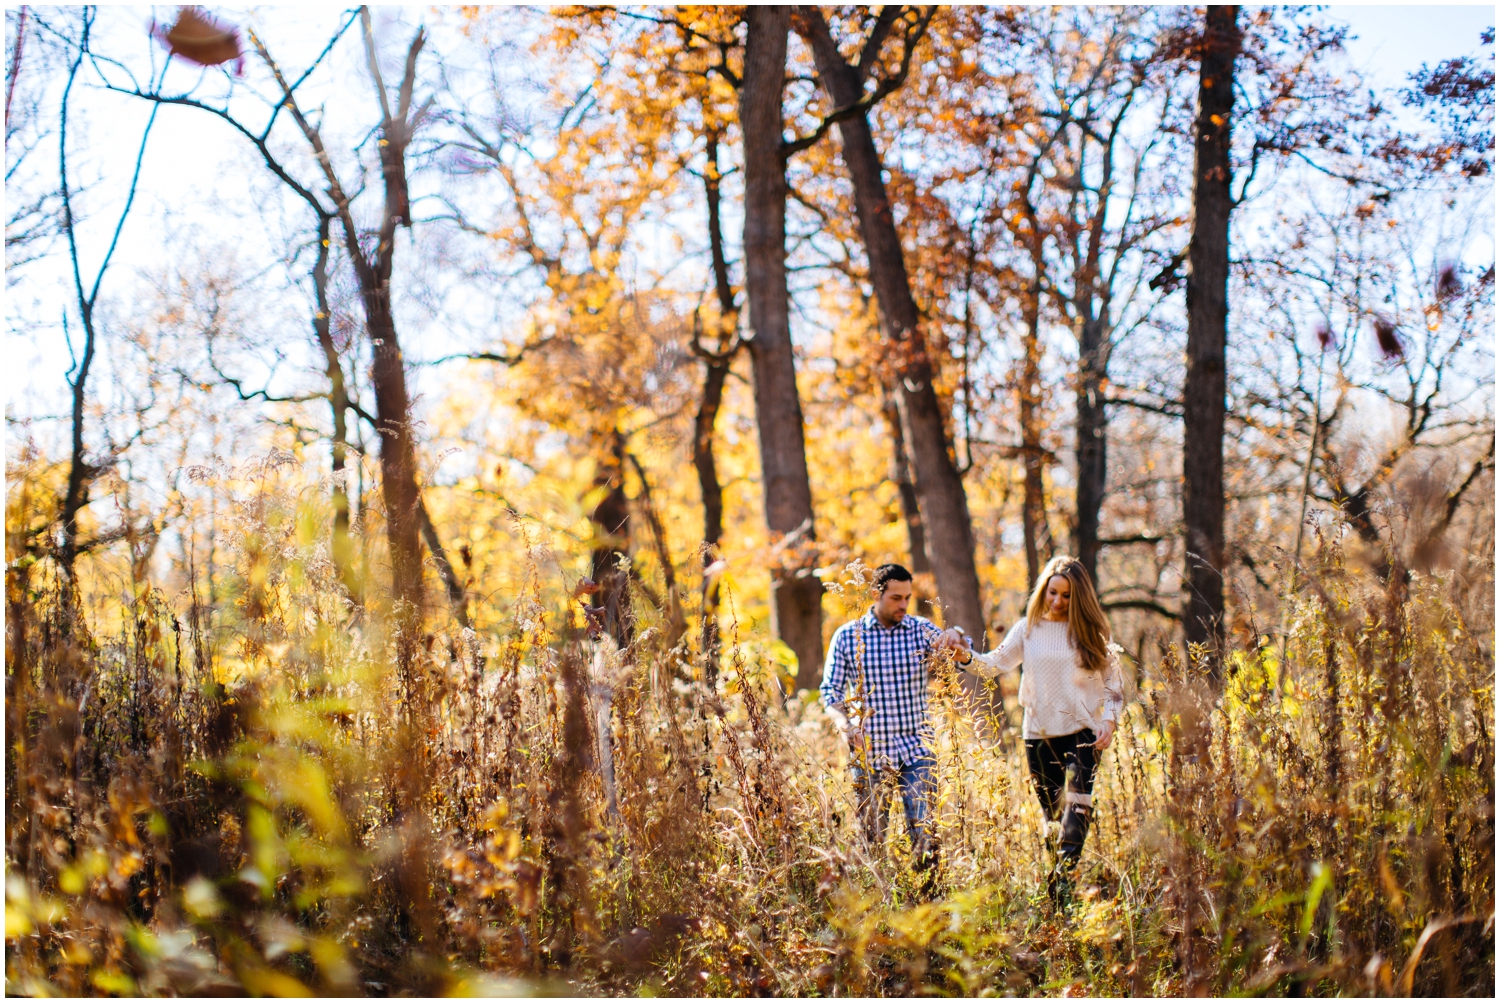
887 573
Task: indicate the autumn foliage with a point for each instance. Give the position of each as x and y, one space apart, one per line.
426 595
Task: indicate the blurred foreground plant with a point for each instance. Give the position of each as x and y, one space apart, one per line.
287 793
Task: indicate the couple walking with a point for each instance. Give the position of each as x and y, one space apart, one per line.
875 690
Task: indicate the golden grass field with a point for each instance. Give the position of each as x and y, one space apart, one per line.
286 794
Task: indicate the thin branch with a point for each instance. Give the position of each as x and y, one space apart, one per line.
374 61
434 543
505 360
1122 541
1170 408
1149 605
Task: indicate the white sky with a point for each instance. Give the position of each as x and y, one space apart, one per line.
1396 39
194 162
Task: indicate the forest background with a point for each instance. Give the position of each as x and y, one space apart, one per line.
423 371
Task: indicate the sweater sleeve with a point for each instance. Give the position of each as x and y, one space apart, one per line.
1007 656
1114 685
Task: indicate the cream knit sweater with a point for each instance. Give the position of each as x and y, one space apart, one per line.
1059 695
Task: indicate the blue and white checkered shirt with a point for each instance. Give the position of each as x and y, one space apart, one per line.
877 676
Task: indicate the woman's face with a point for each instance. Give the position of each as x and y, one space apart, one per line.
1055 599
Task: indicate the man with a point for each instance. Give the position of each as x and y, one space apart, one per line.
875 690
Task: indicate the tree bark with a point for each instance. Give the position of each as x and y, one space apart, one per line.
1208 311
611 518
338 402
716 371
1035 528
949 532
398 460
916 534
1092 442
796 596
373 270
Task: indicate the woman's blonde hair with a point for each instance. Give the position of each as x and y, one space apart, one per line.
1088 629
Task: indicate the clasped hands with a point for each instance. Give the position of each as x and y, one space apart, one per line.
953 640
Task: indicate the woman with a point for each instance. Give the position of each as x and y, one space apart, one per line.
1072 694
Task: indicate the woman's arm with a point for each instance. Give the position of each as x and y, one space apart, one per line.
1114 685
1007 656
1114 698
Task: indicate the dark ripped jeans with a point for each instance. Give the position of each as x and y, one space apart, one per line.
1063 770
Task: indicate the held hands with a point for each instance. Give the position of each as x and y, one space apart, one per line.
1106 735
953 640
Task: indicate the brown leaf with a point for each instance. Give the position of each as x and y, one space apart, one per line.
1449 284
1326 339
199 38
1389 340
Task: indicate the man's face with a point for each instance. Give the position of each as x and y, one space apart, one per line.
890 605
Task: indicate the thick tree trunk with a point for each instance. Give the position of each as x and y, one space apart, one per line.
1035 528
1208 312
398 457
716 365
611 518
940 489
797 596
1090 426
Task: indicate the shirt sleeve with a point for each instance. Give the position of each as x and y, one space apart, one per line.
1114 685
836 670
930 632
1007 656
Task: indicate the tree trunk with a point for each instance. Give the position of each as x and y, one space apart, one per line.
944 505
398 454
1034 523
338 402
1208 311
716 370
916 535
713 507
398 458
1090 425
80 472
796 596
911 511
611 518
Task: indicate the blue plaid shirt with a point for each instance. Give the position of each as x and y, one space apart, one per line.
877 676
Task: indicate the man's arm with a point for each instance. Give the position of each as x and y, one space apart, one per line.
835 674
836 683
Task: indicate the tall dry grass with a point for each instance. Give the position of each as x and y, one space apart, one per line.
278 792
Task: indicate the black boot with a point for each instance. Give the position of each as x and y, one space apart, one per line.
1075 828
